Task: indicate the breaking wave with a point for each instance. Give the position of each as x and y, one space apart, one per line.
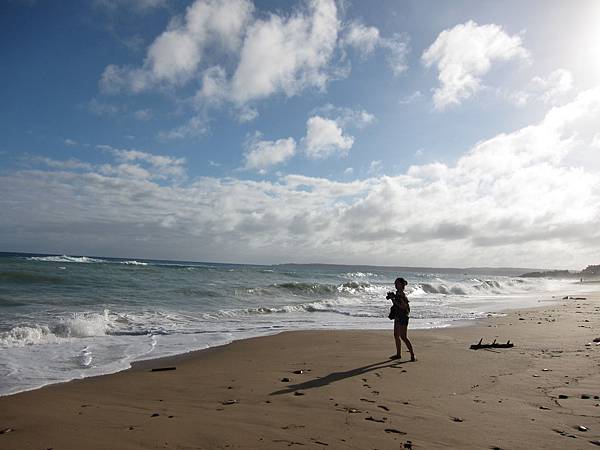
311 289
79 325
66 259
472 287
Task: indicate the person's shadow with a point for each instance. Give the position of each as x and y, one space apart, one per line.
337 376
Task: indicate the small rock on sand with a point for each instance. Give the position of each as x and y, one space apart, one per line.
229 402
6 430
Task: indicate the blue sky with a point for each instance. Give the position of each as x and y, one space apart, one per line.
410 133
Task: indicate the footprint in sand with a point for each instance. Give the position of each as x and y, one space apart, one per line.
373 419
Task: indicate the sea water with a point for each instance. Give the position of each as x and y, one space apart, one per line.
66 317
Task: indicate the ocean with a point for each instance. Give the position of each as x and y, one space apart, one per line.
67 317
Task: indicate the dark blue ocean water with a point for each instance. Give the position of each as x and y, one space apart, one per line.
64 317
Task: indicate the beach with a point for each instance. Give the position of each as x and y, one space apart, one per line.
338 389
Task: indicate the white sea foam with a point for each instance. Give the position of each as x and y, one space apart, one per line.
211 306
66 259
78 325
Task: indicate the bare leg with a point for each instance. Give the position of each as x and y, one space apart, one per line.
404 337
397 338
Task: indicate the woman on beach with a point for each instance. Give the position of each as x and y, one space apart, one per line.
401 319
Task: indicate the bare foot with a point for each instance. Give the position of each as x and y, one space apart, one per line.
395 357
412 358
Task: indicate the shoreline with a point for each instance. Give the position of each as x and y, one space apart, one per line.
246 394
550 298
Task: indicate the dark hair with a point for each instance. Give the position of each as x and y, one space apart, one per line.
402 280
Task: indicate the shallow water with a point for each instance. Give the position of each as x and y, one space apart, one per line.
66 317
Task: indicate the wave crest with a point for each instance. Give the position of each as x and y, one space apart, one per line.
66 259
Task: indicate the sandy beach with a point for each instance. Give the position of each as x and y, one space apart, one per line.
338 389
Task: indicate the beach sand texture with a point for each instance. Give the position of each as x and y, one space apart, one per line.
338 389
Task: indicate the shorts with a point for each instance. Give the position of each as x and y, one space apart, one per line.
401 320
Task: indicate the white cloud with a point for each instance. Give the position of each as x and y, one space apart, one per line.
195 127
263 154
174 56
324 137
69 164
214 85
349 171
287 54
159 166
465 53
410 98
364 39
529 198
346 117
375 167
70 142
397 52
554 86
246 114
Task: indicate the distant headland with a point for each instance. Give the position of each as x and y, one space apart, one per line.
591 272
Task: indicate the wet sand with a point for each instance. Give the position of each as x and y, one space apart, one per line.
338 389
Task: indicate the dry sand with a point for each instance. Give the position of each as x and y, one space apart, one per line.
348 395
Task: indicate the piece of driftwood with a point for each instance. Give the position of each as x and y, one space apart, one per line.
492 345
163 369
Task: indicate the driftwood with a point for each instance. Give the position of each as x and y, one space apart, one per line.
492 345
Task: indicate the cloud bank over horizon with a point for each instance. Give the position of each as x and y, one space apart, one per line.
516 197
317 131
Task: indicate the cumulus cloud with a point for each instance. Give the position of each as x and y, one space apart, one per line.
262 154
346 117
366 39
554 86
194 127
174 56
287 54
397 52
324 137
551 89
465 53
530 197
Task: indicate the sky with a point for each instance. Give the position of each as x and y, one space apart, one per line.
405 133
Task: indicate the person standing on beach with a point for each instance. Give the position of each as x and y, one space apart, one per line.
401 319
